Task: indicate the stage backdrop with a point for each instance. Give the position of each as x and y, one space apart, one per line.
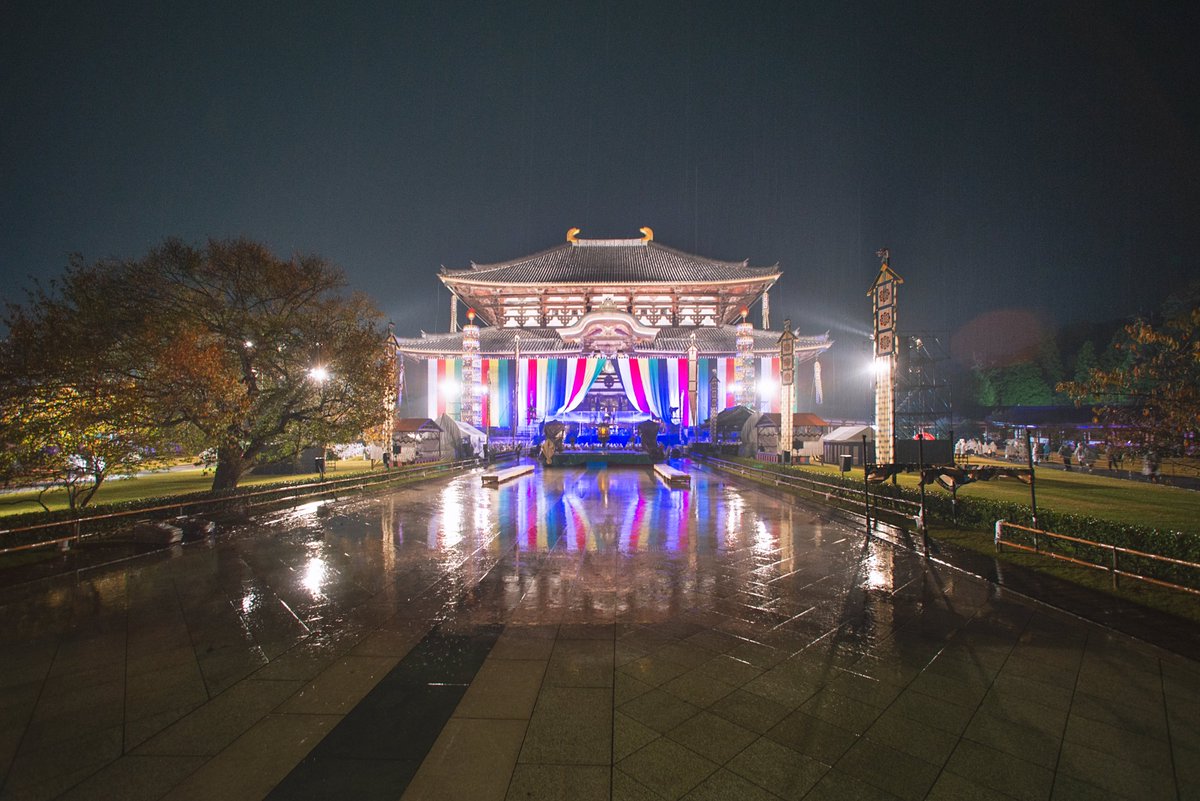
545 388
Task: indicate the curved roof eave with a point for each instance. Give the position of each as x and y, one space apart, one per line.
750 278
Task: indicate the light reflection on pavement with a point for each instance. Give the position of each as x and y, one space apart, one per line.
127 660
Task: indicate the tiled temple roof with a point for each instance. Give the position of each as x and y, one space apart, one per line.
722 339
603 261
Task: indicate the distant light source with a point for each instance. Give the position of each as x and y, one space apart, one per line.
319 374
249 343
450 388
766 387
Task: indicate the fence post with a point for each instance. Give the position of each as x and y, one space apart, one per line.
1032 482
866 486
999 524
1115 577
921 484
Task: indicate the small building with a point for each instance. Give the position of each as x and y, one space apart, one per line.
416 439
807 431
849 440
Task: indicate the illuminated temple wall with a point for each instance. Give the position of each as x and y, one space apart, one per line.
543 386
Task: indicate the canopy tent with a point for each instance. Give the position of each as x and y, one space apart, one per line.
849 440
459 438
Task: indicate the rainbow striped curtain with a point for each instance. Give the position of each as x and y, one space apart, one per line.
445 381
499 376
579 376
639 384
550 387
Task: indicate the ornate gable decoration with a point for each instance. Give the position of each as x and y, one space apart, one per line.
883 293
608 332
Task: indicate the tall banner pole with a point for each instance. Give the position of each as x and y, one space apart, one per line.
787 378
883 299
1032 491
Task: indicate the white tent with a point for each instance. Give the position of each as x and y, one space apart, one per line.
848 440
850 434
456 433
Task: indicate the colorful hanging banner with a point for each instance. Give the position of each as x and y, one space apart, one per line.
580 374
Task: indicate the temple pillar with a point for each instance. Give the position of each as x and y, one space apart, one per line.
453 312
693 380
766 311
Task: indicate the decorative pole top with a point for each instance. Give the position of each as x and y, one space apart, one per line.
886 274
471 315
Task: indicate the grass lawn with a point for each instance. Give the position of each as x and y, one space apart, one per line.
174 482
1097 496
1134 502
1179 603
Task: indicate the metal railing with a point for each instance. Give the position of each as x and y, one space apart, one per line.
78 525
1043 540
854 496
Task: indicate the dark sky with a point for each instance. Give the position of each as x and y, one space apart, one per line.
1033 156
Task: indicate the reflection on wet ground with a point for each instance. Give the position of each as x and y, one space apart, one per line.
578 633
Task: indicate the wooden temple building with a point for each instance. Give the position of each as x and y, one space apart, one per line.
601 330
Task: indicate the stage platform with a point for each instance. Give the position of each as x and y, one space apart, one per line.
494 478
575 458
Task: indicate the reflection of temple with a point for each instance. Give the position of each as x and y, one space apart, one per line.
596 330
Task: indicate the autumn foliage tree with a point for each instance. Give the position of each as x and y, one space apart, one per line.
1150 398
225 345
65 422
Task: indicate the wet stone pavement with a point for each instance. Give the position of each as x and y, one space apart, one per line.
577 634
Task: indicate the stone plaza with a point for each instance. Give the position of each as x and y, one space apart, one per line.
578 633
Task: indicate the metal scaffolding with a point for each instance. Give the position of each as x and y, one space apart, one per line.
923 400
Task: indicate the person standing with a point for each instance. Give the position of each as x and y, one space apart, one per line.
1065 453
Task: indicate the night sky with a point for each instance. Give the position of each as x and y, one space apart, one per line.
1040 158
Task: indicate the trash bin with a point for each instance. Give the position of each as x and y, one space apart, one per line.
319 464
847 459
786 457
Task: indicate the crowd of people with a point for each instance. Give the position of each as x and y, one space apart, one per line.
1072 454
974 447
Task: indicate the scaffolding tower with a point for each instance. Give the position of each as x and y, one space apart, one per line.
923 400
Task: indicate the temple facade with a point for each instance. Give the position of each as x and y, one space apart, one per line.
602 330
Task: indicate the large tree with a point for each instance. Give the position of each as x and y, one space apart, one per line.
65 422
73 437
1151 396
226 343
